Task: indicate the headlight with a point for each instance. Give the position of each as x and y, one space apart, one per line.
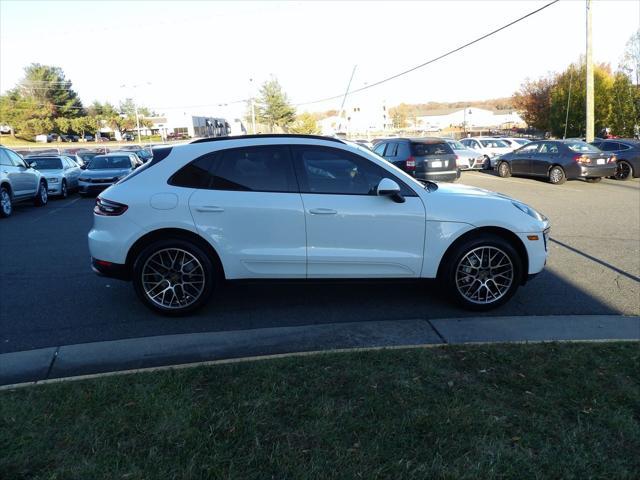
53 180
529 211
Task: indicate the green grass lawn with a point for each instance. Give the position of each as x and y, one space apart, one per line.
510 411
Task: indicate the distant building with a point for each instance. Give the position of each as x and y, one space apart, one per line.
187 125
358 118
471 117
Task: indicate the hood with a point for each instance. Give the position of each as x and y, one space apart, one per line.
460 189
105 173
467 153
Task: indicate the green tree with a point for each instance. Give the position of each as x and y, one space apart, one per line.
533 102
574 78
625 98
83 125
399 115
305 123
273 107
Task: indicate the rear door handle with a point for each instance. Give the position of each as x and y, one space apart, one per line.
322 211
209 209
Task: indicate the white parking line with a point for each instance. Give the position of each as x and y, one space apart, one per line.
523 182
49 212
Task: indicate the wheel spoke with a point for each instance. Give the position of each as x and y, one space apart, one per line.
484 275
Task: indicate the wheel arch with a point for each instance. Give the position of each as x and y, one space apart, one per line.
503 233
7 185
182 234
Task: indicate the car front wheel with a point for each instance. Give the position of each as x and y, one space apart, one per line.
173 277
6 207
483 272
504 170
42 197
624 170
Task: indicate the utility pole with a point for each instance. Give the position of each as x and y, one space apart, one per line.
253 111
590 102
344 99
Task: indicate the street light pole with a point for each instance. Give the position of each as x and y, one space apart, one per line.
253 111
135 104
589 134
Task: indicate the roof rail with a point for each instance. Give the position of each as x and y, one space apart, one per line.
268 135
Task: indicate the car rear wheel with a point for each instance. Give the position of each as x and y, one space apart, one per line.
624 170
173 277
486 165
42 197
557 176
504 170
482 272
593 179
6 207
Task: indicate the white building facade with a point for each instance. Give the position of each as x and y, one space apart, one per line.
470 118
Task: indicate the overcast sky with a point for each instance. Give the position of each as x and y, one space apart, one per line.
196 55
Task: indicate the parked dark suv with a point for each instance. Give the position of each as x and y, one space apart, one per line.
423 158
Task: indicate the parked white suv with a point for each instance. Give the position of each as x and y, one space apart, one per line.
305 207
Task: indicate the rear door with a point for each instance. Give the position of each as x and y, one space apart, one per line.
72 171
251 210
351 231
547 155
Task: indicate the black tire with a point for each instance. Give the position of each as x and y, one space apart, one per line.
593 179
557 175
210 275
64 192
6 203
486 165
454 258
504 170
624 171
42 196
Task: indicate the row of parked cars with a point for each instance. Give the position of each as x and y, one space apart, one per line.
35 177
442 159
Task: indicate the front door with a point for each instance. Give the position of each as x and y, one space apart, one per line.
252 213
544 158
351 231
521 163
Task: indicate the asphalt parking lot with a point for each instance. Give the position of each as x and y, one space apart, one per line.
49 295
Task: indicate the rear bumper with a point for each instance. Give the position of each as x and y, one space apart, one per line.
607 170
92 188
446 176
110 270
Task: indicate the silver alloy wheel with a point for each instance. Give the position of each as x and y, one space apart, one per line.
484 275
173 278
43 194
5 202
63 188
504 169
555 175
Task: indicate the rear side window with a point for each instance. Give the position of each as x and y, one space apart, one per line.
193 175
582 147
609 146
392 150
422 149
255 169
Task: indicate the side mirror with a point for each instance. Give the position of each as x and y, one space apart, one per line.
32 164
389 188
83 167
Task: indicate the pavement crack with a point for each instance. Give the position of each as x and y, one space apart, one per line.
444 340
53 360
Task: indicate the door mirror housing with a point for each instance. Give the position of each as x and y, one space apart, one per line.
390 188
33 164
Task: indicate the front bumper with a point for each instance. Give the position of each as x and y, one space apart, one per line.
54 188
88 188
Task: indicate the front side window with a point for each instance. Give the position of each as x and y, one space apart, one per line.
4 159
255 169
379 149
582 147
550 148
530 148
15 158
333 171
392 150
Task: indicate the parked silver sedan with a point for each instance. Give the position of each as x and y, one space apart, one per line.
61 172
467 159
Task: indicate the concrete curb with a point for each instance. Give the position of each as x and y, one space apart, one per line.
160 351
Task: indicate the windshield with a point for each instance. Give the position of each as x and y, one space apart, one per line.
47 163
582 147
457 145
494 144
99 163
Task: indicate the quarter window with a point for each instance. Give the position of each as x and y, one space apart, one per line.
195 174
609 146
379 149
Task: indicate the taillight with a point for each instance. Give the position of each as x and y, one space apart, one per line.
581 159
612 159
109 208
411 163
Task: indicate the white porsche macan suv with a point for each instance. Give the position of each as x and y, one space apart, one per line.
305 207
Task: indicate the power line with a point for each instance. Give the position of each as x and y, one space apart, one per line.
450 52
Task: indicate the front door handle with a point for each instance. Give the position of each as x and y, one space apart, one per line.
209 209
322 211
